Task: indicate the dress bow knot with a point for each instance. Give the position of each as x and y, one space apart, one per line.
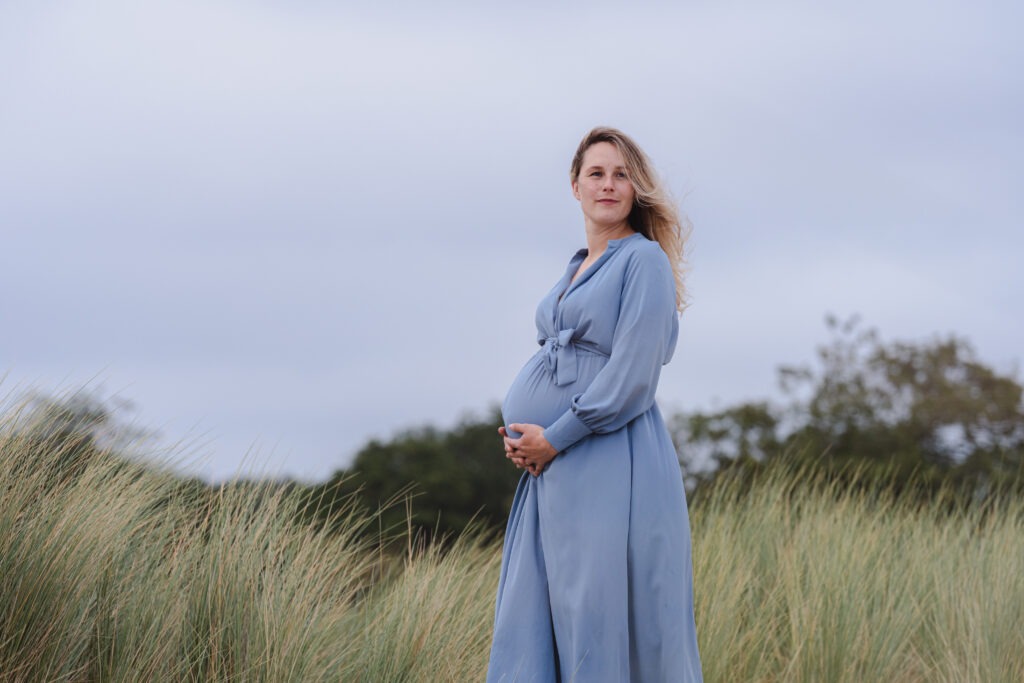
560 356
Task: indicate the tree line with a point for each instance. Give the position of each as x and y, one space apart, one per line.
918 419
913 419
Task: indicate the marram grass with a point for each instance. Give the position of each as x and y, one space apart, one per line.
795 583
122 574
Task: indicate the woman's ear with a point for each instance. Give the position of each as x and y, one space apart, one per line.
575 189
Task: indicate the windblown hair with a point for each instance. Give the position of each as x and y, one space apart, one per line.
654 214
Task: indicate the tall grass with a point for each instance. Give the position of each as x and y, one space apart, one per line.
117 573
114 572
801 583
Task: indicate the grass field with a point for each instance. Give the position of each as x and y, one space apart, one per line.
113 573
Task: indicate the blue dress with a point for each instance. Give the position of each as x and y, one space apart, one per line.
596 575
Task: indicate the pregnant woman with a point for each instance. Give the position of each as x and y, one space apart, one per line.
596 576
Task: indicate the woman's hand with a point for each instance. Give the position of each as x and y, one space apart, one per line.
531 451
517 459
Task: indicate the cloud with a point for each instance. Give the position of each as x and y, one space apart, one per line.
305 225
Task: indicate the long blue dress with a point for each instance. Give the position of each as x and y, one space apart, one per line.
596 575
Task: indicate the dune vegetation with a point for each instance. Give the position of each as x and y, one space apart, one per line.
110 571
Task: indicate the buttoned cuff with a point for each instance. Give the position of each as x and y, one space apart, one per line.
567 430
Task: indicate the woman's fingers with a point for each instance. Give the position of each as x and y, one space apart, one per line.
512 451
521 449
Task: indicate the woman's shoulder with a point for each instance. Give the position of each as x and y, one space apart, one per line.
647 273
645 253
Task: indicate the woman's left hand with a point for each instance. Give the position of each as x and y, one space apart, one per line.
531 451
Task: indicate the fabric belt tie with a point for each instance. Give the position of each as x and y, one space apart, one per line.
560 357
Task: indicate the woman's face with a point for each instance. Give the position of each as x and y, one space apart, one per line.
603 188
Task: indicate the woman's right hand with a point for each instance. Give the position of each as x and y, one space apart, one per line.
518 459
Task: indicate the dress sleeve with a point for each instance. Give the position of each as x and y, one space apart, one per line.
643 341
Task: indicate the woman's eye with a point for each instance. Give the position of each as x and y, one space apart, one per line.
594 174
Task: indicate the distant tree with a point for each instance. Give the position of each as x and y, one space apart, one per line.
918 416
444 479
54 439
67 432
737 437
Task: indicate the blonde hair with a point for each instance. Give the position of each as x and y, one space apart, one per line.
654 214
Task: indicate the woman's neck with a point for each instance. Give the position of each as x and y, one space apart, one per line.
598 237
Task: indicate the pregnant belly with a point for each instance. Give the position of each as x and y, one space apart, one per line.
534 398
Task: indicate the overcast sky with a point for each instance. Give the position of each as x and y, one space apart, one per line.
284 228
